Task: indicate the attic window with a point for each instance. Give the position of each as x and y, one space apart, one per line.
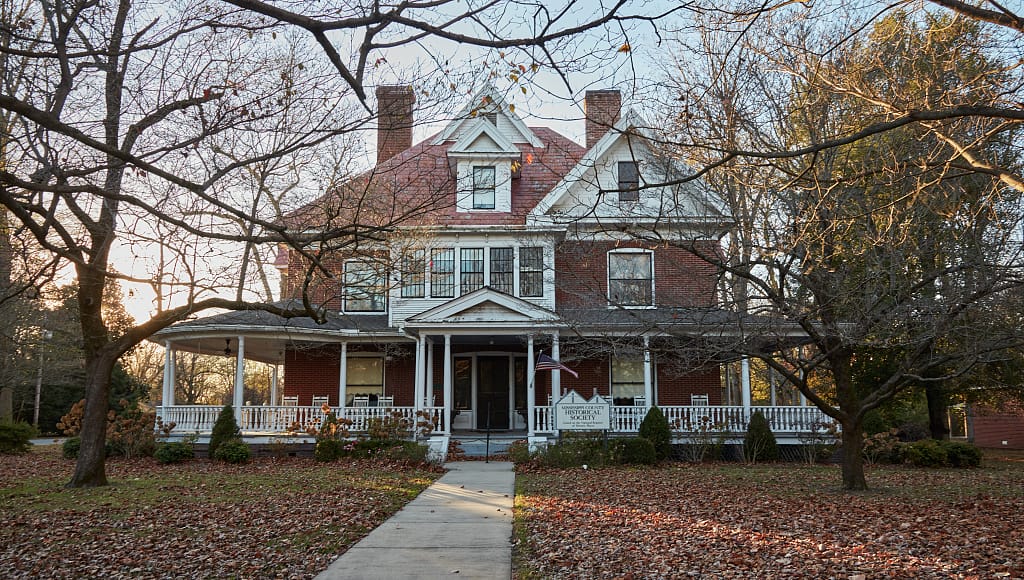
629 181
483 187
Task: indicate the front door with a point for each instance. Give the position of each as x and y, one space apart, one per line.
492 392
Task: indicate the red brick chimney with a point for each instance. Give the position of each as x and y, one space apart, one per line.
394 120
602 110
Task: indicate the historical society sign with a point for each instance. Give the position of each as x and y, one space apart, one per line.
574 413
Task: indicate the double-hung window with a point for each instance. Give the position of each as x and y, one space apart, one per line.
631 278
413 276
442 273
483 187
627 380
472 270
629 181
364 376
364 287
501 269
531 272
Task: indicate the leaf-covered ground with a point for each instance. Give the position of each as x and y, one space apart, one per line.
780 521
272 518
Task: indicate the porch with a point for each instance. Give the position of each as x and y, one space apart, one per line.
787 422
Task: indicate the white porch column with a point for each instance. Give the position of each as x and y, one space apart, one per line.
745 387
531 389
421 360
273 384
449 404
556 375
343 376
167 397
239 398
648 375
428 395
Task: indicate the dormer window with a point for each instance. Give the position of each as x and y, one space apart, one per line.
483 187
629 181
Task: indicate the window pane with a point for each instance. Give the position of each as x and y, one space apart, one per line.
531 272
413 277
483 188
501 269
627 380
442 273
364 288
472 270
630 279
363 376
629 181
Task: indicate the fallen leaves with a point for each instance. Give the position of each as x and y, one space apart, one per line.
733 521
273 518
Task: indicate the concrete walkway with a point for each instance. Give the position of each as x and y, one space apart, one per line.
459 527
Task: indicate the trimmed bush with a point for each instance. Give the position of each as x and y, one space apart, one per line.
574 452
633 451
233 451
962 454
759 443
328 449
174 452
224 430
519 452
408 451
70 447
655 429
14 437
926 453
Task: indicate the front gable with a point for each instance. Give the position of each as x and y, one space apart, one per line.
484 307
591 191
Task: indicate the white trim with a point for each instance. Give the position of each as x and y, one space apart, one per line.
498 105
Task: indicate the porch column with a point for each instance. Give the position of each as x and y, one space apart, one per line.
239 399
421 360
428 396
556 375
167 397
449 404
531 389
648 382
343 376
273 384
745 387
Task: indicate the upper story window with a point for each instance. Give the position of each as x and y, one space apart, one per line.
501 269
413 276
631 278
531 272
442 273
483 187
472 270
364 287
629 181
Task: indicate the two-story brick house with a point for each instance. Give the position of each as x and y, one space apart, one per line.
511 241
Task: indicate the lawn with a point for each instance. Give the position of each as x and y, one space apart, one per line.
272 518
774 521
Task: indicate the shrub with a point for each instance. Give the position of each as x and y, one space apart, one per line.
224 430
233 451
519 452
633 451
963 454
408 452
574 452
926 453
174 452
654 428
71 423
389 427
328 449
132 432
819 443
14 437
759 443
707 440
70 447
882 447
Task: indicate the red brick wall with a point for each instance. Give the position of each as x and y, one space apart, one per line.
680 277
310 372
675 388
991 426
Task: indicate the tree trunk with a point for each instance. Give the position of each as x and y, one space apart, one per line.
937 407
853 458
90 470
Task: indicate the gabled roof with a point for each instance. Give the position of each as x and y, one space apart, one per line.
485 306
482 137
487 99
632 130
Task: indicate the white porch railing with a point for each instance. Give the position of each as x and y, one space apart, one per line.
687 419
281 419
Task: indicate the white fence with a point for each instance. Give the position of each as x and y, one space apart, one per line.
282 419
689 419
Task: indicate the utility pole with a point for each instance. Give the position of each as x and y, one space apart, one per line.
47 335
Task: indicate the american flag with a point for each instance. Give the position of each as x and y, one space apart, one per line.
546 363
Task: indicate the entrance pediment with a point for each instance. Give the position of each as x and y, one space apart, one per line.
484 306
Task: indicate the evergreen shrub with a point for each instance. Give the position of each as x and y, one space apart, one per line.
759 443
14 437
655 429
233 451
174 452
70 447
633 451
224 430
